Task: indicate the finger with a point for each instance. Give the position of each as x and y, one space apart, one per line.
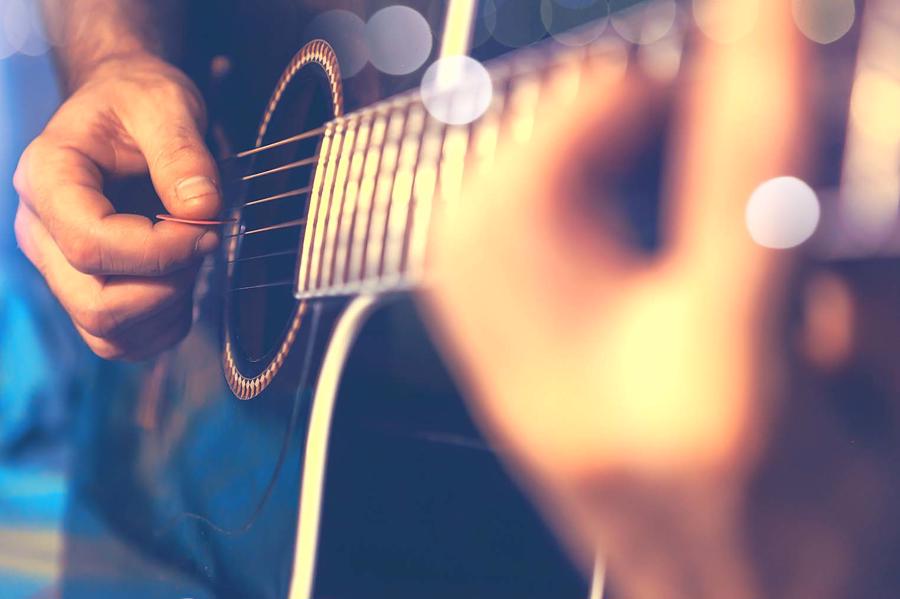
564 221
741 125
184 172
547 237
591 145
62 186
100 306
145 339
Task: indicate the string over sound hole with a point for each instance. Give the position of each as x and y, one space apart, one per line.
264 246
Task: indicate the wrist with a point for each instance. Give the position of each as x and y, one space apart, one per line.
108 64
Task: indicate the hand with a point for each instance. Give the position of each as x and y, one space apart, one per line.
126 282
645 399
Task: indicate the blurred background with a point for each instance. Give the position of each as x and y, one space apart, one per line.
42 367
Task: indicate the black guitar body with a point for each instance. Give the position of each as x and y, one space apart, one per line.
414 504
184 490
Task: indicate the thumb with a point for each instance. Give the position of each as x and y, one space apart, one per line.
183 171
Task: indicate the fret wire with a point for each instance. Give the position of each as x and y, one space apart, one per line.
487 131
355 244
383 189
303 277
524 97
374 148
281 196
284 283
401 196
315 273
281 169
337 208
286 225
342 255
424 194
280 143
452 166
499 70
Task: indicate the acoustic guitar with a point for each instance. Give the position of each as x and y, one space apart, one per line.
263 458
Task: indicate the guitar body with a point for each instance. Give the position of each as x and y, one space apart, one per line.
310 448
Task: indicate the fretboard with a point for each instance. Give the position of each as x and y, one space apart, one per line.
383 172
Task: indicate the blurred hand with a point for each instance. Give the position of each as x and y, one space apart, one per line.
125 281
638 395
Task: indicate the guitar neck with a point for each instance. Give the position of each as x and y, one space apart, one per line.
384 171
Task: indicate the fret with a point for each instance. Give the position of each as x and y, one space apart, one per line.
366 195
354 181
381 171
337 205
453 162
303 277
323 216
424 188
524 96
401 197
486 133
565 75
383 189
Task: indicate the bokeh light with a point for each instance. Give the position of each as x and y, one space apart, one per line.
824 21
485 22
37 41
782 213
456 90
517 23
399 40
575 22
644 22
726 21
22 29
346 33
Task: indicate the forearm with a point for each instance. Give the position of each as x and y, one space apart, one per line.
93 31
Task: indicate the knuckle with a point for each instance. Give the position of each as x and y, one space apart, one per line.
96 320
105 349
33 156
83 253
180 148
20 228
159 261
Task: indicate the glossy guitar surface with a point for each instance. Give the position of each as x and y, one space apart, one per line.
272 408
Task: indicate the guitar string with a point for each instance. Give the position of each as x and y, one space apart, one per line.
401 104
499 75
278 227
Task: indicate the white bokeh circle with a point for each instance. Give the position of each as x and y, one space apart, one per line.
346 33
399 40
782 213
726 21
456 90
17 25
645 22
824 21
575 22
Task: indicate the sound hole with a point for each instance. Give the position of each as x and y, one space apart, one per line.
272 219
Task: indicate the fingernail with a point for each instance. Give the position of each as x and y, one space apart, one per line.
208 242
194 189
